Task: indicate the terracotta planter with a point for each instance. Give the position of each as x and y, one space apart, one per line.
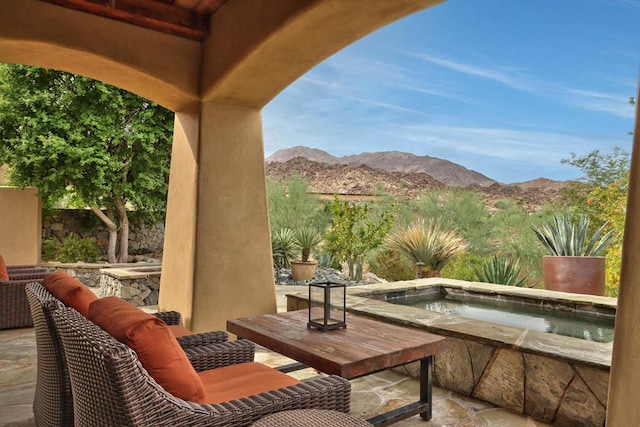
577 274
301 270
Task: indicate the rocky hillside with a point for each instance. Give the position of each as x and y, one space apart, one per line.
446 172
363 181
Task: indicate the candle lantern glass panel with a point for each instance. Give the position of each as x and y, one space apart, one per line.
327 302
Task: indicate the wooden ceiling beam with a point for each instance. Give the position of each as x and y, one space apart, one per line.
152 14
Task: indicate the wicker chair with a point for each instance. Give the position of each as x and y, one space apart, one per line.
111 388
14 307
17 270
53 404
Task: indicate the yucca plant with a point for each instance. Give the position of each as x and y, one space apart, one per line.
429 245
307 238
502 270
283 247
564 237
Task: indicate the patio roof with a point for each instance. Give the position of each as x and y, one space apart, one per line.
183 18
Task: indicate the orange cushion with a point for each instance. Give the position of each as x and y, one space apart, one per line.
179 331
4 275
153 342
242 380
72 292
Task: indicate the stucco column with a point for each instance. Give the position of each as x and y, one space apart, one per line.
178 260
622 407
218 173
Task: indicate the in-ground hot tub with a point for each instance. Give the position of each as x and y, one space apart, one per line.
578 320
558 379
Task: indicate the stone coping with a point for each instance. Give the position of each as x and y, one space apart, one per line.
486 288
146 272
98 265
556 346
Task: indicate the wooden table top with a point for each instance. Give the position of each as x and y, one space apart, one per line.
364 347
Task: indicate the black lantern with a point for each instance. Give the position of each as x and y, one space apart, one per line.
327 302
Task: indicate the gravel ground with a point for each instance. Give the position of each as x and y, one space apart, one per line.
323 274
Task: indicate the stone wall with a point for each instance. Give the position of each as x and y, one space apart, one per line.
139 286
89 274
555 391
143 239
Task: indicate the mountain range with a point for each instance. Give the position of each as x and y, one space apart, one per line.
448 173
399 174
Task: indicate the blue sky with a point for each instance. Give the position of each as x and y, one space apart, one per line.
504 87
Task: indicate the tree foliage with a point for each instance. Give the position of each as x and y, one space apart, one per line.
603 197
355 232
86 142
291 205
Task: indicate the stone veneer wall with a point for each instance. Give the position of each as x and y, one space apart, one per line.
138 283
137 289
555 391
89 274
143 239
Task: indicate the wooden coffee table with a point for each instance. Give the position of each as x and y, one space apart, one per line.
366 346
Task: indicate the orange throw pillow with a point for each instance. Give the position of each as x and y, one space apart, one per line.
153 342
4 275
72 292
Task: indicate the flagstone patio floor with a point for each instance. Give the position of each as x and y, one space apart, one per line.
371 395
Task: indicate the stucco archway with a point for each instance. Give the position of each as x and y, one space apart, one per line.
217 256
217 215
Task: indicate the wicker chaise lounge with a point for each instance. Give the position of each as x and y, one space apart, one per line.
111 388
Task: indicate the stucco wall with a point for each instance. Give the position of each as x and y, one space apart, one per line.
20 225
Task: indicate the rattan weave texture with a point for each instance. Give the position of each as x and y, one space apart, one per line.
110 387
14 307
52 404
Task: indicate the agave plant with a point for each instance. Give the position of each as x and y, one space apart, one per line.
307 238
501 270
563 237
429 245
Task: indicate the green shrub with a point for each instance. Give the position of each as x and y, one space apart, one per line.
328 260
462 267
291 205
391 266
463 208
501 270
72 248
432 244
355 232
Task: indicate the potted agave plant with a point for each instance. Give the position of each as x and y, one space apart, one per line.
306 238
575 262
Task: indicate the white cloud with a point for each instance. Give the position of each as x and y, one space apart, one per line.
509 76
616 104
